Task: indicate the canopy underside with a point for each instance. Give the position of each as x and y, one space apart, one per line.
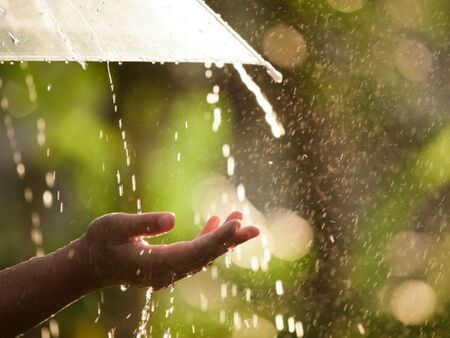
119 30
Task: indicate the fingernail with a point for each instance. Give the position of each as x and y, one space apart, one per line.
166 220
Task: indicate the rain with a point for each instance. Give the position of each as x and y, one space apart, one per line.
326 123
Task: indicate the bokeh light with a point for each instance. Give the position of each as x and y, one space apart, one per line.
202 291
413 302
292 235
347 6
413 60
409 13
351 195
285 46
255 327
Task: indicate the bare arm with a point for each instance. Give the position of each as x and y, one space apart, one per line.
32 291
111 252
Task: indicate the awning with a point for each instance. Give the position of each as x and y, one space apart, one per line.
120 31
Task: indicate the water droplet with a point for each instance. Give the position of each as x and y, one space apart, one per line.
217 119
15 40
47 198
279 287
279 322
241 192
230 166
226 150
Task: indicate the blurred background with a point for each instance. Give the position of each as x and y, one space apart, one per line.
353 202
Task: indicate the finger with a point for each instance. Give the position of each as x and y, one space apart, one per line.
122 226
188 256
243 235
211 225
157 263
234 215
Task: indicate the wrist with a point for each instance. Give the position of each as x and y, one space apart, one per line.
78 253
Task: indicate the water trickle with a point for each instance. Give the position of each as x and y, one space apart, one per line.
145 315
41 137
99 312
32 93
270 115
123 135
171 308
36 229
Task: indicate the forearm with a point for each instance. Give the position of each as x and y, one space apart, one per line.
34 290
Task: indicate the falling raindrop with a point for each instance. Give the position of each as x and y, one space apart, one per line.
279 322
47 198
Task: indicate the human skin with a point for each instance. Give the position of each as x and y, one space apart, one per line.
111 252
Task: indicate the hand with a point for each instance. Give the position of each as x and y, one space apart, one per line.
117 254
